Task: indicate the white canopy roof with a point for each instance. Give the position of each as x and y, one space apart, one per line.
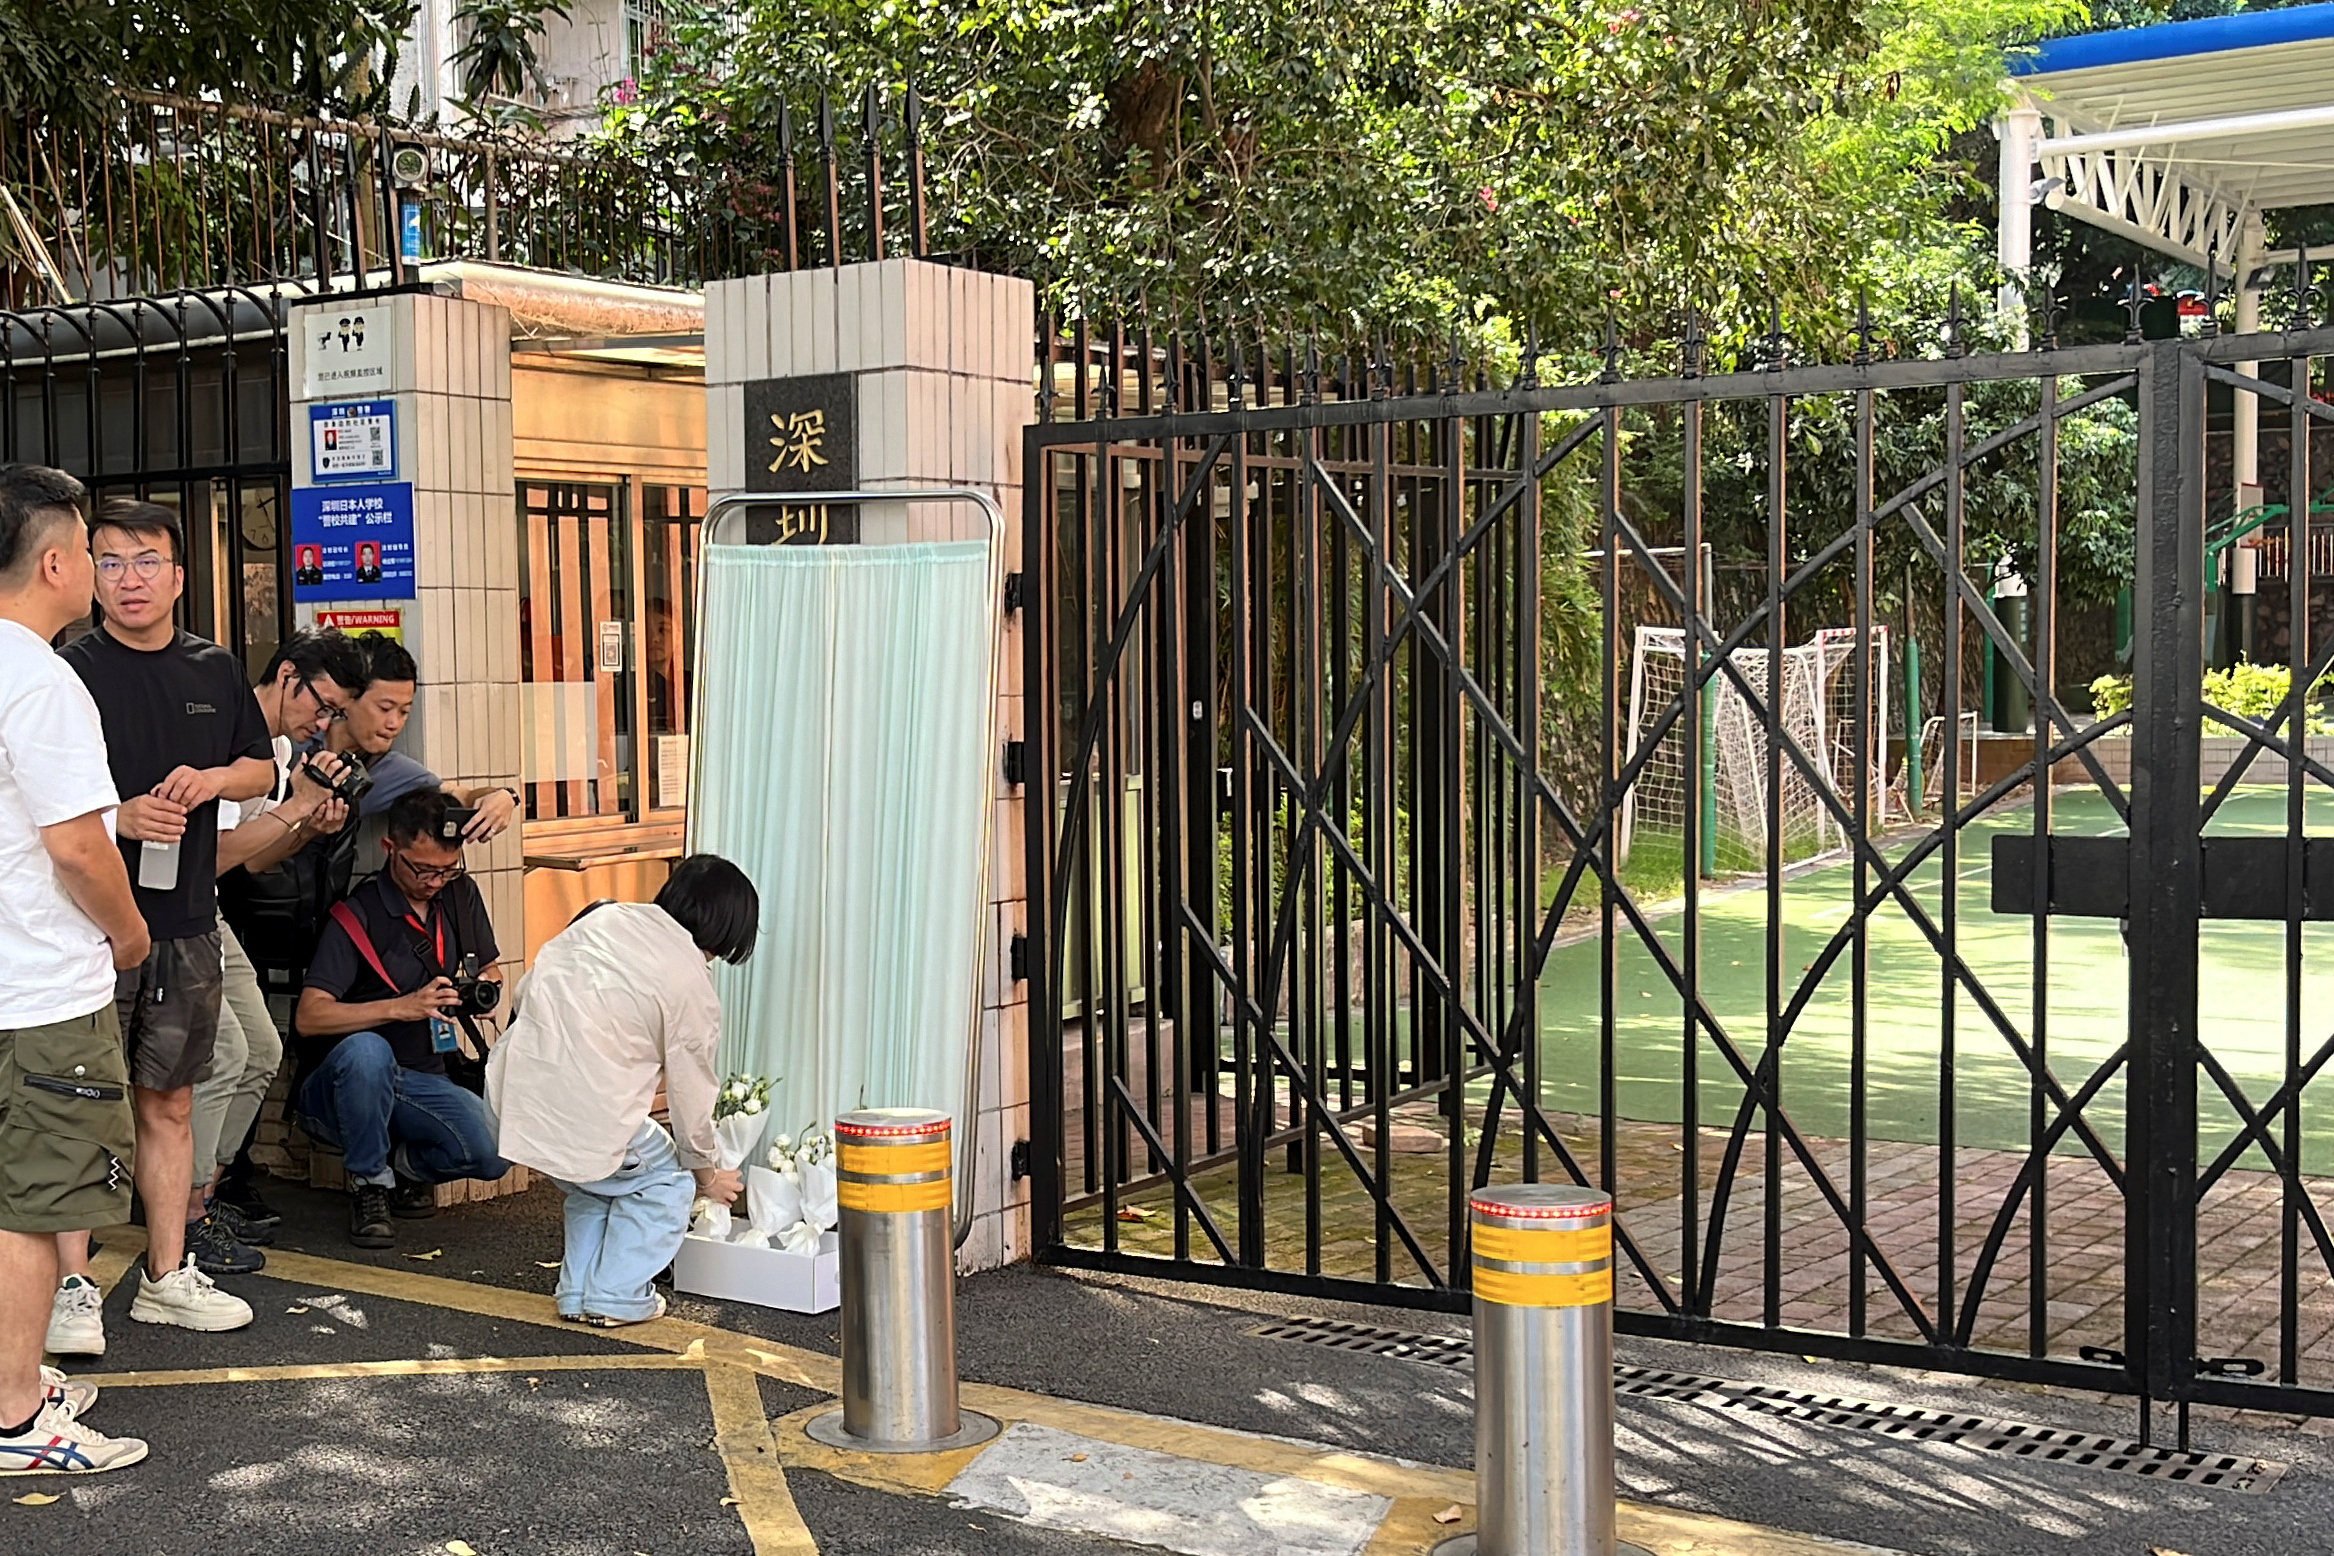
2180 136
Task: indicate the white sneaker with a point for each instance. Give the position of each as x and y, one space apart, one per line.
187 1298
57 1444
77 1318
71 1397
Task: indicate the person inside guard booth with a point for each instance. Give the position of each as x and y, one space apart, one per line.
389 1024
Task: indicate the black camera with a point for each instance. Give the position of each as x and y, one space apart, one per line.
478 995
347 783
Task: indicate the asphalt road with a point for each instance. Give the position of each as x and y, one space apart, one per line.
592 1462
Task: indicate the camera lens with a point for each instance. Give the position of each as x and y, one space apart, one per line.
481 996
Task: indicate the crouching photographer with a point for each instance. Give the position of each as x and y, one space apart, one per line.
390 1024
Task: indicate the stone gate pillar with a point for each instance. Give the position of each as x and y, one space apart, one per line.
935 364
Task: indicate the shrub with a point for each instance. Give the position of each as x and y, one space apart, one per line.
2250 691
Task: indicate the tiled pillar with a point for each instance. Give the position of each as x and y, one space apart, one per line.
941 365
444 363
449 377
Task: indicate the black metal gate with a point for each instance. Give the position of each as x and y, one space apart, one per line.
1424 819
180 399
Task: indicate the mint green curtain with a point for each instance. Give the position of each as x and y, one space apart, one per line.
842 753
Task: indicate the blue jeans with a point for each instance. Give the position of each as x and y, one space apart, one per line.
624 1229
375 1111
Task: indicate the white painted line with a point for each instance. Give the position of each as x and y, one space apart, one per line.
1058 1480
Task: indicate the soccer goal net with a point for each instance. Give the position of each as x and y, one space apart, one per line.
1820 713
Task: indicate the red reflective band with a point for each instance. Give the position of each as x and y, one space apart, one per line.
880 1131
1489 1207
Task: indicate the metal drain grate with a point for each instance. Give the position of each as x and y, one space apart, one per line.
1437 1350
1978 1434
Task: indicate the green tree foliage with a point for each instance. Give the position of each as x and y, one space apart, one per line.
1408 162
498 55
65 59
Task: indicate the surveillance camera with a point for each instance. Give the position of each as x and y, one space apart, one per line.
2049 193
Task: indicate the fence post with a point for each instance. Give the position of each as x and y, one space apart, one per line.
895 1198
1543 1266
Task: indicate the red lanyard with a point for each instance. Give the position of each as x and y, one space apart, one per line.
437 931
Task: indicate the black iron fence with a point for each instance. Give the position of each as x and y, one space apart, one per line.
1424 815
173 194
178 399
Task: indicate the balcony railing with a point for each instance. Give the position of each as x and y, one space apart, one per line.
174 194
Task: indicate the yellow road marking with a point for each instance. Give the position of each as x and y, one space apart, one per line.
917 1474
741 1435
411 1367
1409 1526
787 1364
1418 1491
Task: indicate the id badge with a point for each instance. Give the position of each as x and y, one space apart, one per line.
443 1038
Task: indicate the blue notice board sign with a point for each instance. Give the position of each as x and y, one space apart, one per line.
353 542
353 440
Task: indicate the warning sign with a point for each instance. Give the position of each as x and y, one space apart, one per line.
389 623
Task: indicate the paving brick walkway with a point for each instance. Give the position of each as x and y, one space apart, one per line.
2240 1253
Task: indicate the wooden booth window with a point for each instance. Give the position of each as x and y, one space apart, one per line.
575 620
671 517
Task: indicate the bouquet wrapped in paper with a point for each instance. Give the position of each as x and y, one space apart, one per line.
799 1188
741 1112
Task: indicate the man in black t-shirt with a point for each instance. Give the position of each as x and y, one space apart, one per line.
182 732
381 1015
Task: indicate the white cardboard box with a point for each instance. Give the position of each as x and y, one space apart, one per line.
766 1277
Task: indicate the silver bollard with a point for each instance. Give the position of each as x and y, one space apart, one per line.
895 1199
1543 1265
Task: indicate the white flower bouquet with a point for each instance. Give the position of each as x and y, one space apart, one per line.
741 1111
800 1183
779 1251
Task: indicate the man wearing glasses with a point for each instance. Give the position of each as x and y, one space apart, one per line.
305 690
383 1012
302 691
182 733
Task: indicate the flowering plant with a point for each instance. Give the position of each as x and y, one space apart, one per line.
741 1111
792 1201
742 1096
790 1155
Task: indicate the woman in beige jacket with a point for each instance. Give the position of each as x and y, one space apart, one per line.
618 1004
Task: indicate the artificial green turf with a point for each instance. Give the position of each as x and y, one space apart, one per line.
2243 1004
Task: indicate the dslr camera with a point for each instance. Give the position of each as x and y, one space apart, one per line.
346 781
479 995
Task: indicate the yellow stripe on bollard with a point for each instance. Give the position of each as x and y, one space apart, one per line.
894 1161
1512 1290
888 1197
1543 1245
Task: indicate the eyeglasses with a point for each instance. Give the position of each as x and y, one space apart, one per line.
434 874
331 712
148 567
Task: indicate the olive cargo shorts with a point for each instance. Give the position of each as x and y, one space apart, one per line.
65 1126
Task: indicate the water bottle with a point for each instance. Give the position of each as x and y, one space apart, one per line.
158 866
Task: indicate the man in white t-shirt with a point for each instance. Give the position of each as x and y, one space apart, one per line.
67 923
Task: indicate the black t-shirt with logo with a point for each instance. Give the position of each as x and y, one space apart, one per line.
182 705
411 949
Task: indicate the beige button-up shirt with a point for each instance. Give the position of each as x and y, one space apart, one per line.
617 1001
